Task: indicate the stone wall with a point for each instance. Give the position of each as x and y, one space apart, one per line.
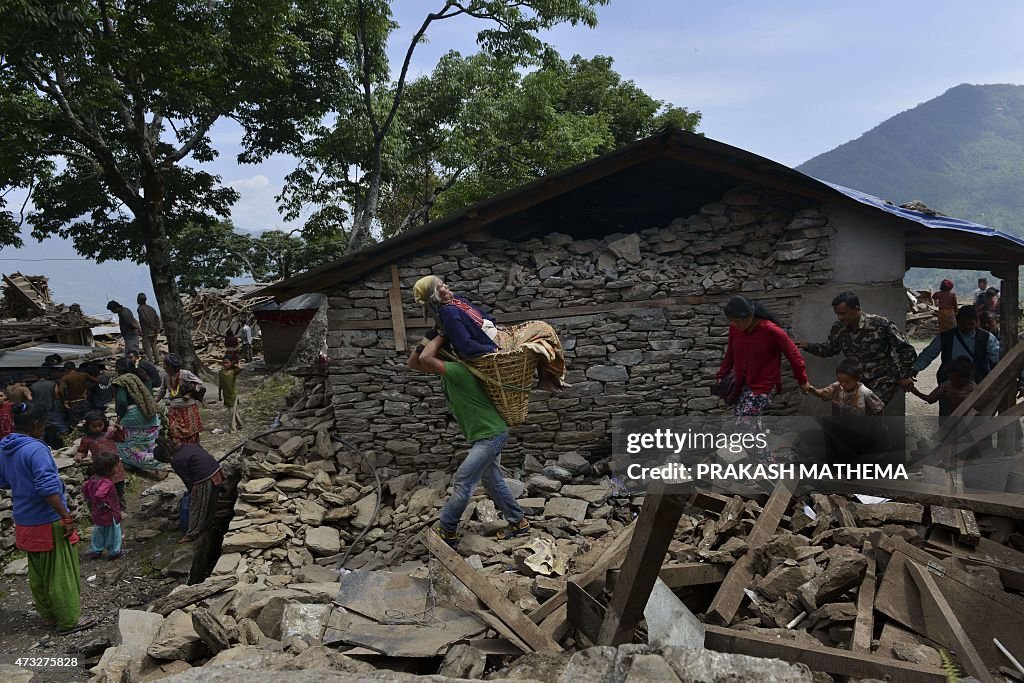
657 357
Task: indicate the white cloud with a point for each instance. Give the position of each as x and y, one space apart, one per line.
256 208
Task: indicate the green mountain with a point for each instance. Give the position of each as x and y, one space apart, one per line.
961 153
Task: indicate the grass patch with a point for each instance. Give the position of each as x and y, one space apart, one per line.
263 403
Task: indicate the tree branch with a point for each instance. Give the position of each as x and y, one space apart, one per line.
92 141
31 188
190 144
364 70
404 73
74 154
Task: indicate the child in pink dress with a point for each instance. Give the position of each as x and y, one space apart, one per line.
99 491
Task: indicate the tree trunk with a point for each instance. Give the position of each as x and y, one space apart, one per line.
366 213
165 286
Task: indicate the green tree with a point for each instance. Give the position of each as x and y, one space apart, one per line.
343 167
477 127
207 256
102 102
277 255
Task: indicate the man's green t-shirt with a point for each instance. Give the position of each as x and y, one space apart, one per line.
477 417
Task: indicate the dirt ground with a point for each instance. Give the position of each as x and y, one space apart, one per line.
925 383
152 566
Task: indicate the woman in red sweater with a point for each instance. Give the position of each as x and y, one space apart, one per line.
757 343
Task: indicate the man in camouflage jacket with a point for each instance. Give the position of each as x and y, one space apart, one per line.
883 352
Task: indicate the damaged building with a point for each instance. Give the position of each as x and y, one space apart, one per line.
630 257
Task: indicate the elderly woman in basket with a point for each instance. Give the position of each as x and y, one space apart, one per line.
473 333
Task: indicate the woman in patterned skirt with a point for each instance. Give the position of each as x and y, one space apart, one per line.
138 416
184 391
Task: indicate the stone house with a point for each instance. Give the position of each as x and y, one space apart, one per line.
630 256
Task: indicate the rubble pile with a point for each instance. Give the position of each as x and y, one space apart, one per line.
305 498
922 314
275 603
209 313
210 644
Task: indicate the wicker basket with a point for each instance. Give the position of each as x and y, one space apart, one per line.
507 376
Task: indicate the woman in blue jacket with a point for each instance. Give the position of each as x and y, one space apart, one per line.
43 527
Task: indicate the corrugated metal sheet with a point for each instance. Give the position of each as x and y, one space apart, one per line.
927 220
34 356
303 302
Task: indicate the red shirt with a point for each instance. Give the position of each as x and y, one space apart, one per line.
91 446
6 419
102 497
757 357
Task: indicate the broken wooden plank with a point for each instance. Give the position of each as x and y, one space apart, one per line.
974 430
654 531
502 608
507 633
864 626
985 502
683 575
397 315
584 611
1007 561
985 611
557 623
730 594
942 625
818 657
995 383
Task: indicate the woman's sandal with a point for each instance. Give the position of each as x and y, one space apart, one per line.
83 623
512 530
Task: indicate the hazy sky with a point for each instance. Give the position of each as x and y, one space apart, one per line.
787 80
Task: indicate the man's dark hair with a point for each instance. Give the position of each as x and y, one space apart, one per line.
114 306
848 298
70 365
982 279
849 366
967 313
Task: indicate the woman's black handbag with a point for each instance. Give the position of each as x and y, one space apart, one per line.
728 388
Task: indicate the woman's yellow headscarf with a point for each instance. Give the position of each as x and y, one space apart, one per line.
423 288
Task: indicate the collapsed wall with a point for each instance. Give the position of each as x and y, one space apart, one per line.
645 348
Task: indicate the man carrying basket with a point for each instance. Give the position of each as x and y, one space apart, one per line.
487 433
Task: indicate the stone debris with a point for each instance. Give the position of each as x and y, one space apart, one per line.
277 601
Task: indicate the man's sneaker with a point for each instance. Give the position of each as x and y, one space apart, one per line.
514 529
450 537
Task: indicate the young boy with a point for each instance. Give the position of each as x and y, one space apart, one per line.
849 397
954 390
227 389
106 509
